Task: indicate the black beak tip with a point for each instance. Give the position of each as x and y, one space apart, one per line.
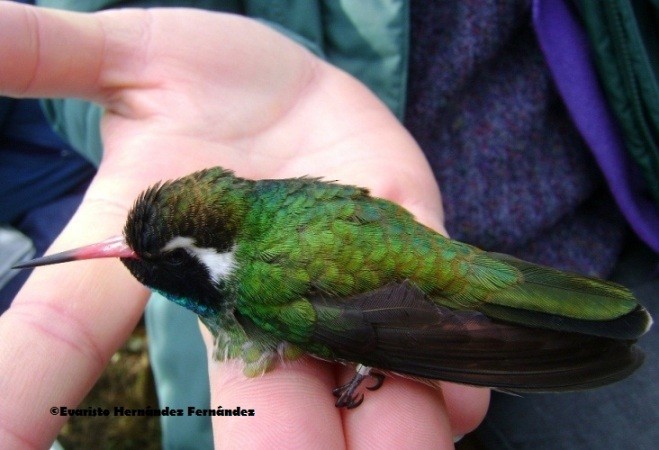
45 260
114 247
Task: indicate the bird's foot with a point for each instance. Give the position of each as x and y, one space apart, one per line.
346 395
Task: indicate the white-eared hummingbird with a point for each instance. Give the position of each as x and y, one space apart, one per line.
278 268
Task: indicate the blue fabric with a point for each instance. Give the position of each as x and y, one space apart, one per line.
5 107
36 166
26 124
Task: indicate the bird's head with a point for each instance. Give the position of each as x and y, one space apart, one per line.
179 239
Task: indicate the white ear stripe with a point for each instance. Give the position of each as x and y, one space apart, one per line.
219 265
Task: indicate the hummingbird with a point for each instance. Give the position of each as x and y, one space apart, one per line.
278 268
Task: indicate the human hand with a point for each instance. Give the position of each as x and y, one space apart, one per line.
184 90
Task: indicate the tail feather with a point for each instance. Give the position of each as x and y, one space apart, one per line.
552 299
629 326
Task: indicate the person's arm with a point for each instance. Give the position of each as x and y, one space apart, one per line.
183 90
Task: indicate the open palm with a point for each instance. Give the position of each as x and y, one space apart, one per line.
184 90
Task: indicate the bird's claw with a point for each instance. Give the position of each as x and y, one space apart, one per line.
379 381
346 396
348 400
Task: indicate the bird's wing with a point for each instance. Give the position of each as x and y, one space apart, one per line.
396 328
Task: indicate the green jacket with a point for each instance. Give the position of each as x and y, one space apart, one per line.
625 48
368 39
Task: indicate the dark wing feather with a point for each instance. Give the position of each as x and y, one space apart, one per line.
396 328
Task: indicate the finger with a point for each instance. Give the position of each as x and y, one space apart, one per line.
466 406
55 53
292 404
402 413
98 57
49 52
61 330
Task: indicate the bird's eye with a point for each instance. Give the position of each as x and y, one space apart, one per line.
176 257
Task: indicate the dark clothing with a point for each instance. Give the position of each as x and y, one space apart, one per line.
42 180
514 173
36 166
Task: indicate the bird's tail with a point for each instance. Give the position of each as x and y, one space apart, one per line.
562 301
